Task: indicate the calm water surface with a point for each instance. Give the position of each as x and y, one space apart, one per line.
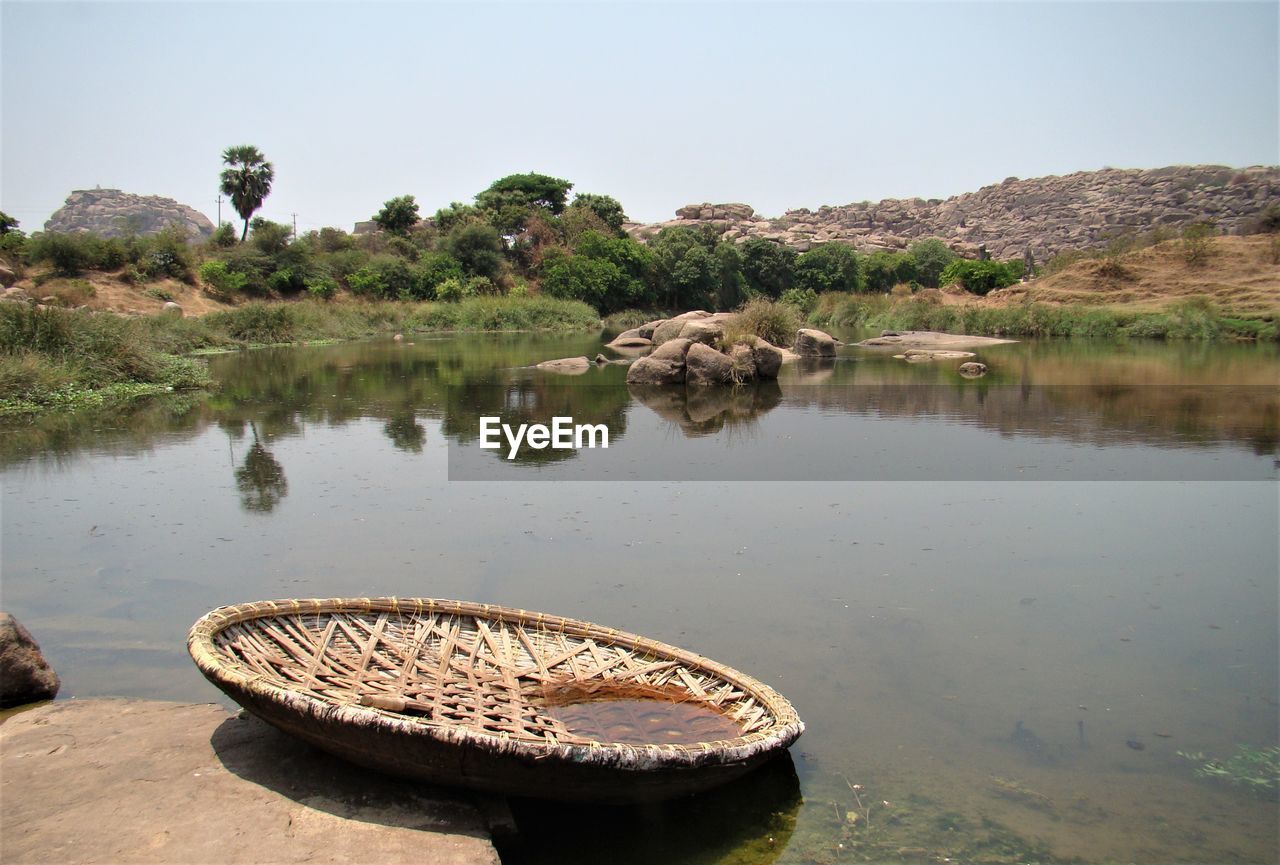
1002 607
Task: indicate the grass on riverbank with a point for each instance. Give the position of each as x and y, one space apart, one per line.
54 357
1189 318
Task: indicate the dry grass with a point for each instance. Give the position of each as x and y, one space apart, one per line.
1241 276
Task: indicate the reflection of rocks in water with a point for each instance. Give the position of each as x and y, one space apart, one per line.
406 433
750 820
261 480
703 411
815 370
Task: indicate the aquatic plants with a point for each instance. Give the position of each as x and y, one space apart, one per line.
1257 769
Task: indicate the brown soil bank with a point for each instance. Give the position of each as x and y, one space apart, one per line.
1240 275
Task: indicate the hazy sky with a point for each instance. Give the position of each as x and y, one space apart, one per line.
778 105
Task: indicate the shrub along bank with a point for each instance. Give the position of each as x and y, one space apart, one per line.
56 357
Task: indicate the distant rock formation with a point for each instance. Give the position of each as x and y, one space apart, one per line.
113 213
1016 218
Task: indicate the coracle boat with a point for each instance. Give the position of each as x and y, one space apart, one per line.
493 698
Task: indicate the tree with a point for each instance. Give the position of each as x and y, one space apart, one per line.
477 247
931 257
398 215
8 223
607 208
769 267
829 267
509 201
246 180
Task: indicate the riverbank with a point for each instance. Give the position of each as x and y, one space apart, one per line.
57 358
1226 288
139 781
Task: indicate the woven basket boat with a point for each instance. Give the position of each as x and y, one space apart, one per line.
493 698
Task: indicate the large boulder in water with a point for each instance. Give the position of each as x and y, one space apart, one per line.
566 365
665 366
25 676
706 366
814 343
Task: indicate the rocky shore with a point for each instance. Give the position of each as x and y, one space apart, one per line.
1045 215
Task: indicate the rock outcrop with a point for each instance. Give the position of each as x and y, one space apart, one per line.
113 213
1043 216
25 676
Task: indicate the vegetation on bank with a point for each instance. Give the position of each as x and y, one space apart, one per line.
55 357
1189 318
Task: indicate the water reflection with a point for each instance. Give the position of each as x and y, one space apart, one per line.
702 411
260 478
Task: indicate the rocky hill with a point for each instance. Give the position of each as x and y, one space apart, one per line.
113 213
1046 214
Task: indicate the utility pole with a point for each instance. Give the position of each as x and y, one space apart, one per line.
219 210
295 226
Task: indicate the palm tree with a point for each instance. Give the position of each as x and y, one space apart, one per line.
247 180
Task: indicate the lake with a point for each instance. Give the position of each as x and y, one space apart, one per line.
1002 606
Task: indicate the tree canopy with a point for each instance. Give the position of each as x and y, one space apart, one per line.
246 181
398 215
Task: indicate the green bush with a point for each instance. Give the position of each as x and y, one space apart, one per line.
265 323
322 287
770 320
387 277
477 247
221 277
930 257
269 237
803 299
67 254
435 268
981 277
829 267
452 290
224 236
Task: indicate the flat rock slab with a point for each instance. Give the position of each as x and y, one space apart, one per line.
931 339
138 781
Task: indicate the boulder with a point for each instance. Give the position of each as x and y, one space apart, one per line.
768 359
16 295
25 676
922 355
814 343
652 370
113 213
672 349
566 365
668 330
704 331
601 359
173 309
706 366
665 366
973 369
645 331
630 342
931 340
7 277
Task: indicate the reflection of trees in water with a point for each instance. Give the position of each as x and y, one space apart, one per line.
260 478
405 432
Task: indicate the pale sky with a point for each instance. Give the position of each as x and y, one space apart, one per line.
779 105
